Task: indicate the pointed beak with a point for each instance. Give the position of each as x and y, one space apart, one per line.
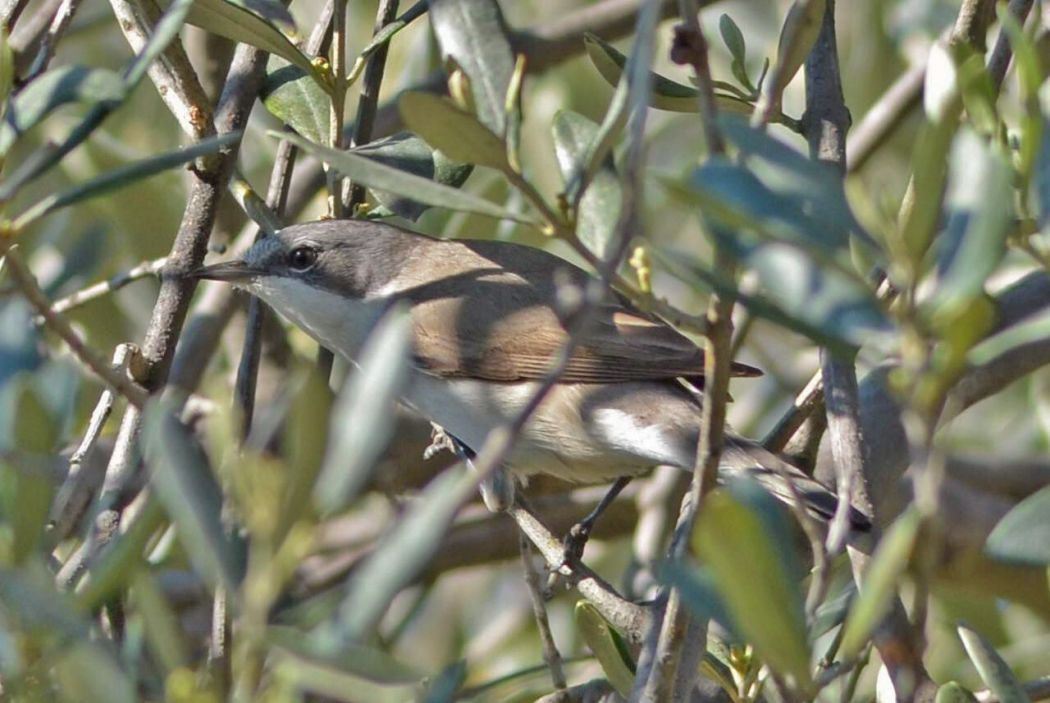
229 271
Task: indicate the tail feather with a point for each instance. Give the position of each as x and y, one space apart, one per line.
741 456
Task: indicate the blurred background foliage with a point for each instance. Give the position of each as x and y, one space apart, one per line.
458 624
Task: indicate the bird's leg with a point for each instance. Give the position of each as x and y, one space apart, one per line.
579 533
497 489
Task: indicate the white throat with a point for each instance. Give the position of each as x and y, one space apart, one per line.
337 322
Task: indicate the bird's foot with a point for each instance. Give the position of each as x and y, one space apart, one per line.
575 542
441 440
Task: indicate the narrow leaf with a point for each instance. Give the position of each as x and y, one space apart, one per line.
240 21
473 34
1023 534
739 535
993 670
355 659
598 636
733 39
384 35
377 175
797 36
293 96
163 631
953 692
7 66
880 582
125 176
362 422
599 208
407 152
180 473
456 133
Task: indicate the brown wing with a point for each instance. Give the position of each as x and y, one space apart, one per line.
496 323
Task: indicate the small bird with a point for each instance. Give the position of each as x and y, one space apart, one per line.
487 323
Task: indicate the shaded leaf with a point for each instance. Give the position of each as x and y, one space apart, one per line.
456 133
160 622
7 66
384 35
89 672
980 196
1023 534
880 582
57 87
185 484
241 21
125 176
443 689
407 152
598 636
307 431
699 592
953 692
29 597
355 659
473 34
599 208
29 512
993 670
741 534
362 422
295 98
377 175
35 430
400 556
666 94
733 39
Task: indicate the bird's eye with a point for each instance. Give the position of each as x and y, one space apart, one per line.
301 258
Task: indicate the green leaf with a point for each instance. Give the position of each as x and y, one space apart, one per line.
980 198
953 692
993 670
407 152
35 429
362 422
598 636
295 98
57 87
7 67
666 94
160 622
383 36
252 22
920 216
355 659
797 36
699 592
599 208
880 582
307 431
185 484
733 38
1030 331
444 687
1022 536
124 176
377 175
456 133
92 672
400 556
473 34
744 539
29 512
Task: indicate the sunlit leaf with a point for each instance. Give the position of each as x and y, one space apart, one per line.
953 692
7 66
743 537
733 39
377 175
294 97
797 36
407 152
182 477
362 421
458 134
598 636
255 22
355 659
880 582
993 670
599 208
473 34
384 35
307 432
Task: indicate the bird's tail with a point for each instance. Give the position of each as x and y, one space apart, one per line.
743 457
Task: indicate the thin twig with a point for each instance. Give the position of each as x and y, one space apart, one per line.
97 290
49 41
1002 52
551 655
667 675
23 278
368 100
